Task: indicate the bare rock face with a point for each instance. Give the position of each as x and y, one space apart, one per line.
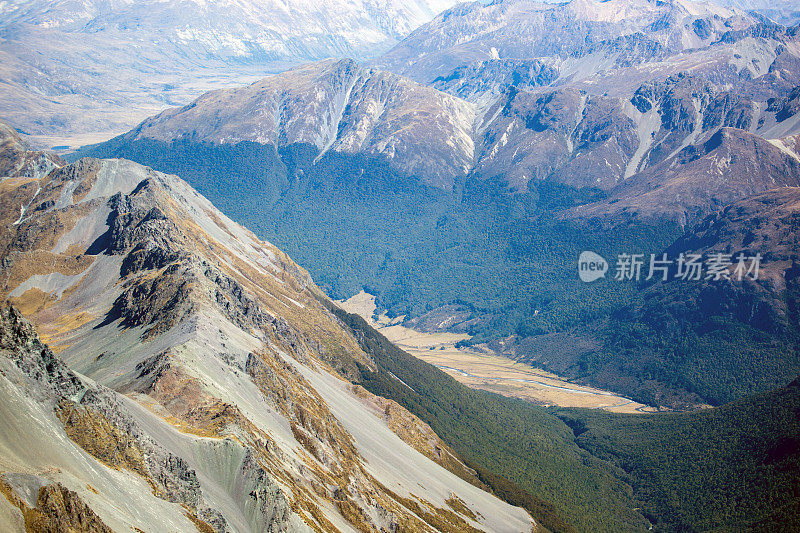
201 362
786 107
485 80
18 160
566 136
730 166
583 140
66 510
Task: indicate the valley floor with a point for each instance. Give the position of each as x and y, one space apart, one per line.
483 369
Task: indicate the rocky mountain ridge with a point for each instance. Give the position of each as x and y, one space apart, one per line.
203 367
612 31
523 137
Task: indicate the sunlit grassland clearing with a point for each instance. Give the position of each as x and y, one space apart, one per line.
481 369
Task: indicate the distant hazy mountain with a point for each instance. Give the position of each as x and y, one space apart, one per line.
72 72
247 30
573 36
783 11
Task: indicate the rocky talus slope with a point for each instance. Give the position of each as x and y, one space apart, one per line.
195 377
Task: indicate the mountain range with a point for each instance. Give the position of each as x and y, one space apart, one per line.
463 196
75 72
574 37
562 135
57 56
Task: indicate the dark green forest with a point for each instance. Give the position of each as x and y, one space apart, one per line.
731 468
715 342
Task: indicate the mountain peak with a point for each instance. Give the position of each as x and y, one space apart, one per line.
336 106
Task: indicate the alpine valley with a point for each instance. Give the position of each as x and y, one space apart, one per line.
459 176
166 365
188 376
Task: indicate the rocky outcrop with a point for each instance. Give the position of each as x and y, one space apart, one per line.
56 509
95 419
483 81
16 160
21 344
786 107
